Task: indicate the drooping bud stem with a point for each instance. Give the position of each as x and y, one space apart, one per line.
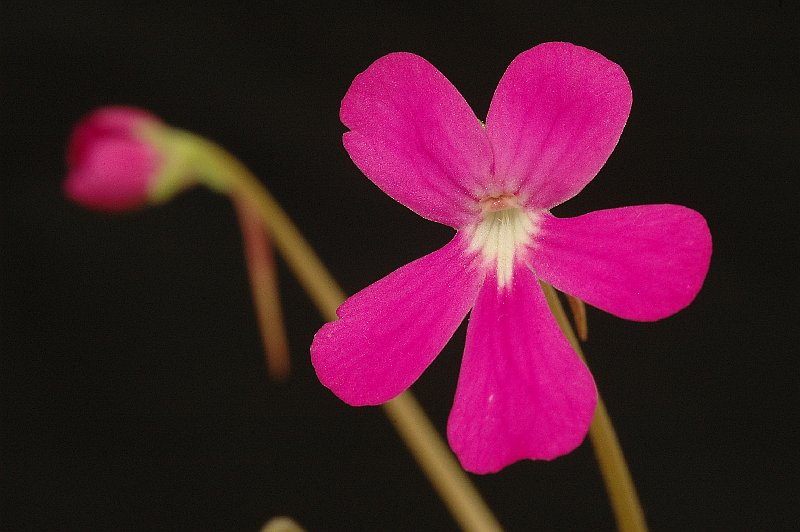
123 158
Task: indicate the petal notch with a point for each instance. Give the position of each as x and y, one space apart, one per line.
414 135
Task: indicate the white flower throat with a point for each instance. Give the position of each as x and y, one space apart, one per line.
502 235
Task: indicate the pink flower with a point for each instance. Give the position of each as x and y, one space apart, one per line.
112 165
554 120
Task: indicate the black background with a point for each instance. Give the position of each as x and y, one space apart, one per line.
134 393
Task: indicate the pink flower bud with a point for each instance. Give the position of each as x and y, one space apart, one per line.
111 165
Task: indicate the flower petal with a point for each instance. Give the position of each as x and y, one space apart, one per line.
413 135
555 118
111 122
522 391
389 332
640 263
113 175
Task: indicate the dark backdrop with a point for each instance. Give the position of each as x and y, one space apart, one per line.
133 390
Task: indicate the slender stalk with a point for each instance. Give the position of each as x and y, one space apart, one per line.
446 475
619 483
578 309
430 451
264 286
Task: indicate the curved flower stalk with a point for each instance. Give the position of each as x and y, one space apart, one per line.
122 158
556 116
157 161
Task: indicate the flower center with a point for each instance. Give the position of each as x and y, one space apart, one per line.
502 234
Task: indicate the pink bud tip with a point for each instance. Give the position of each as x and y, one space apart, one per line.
110 167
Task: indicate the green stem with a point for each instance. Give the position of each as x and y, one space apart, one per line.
619 483
419 435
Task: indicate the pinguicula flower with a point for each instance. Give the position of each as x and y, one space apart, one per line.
555 117
121 158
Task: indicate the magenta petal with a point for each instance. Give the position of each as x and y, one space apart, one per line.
522 391
413 135
555 118
640 263
112 122
389 332
113 174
